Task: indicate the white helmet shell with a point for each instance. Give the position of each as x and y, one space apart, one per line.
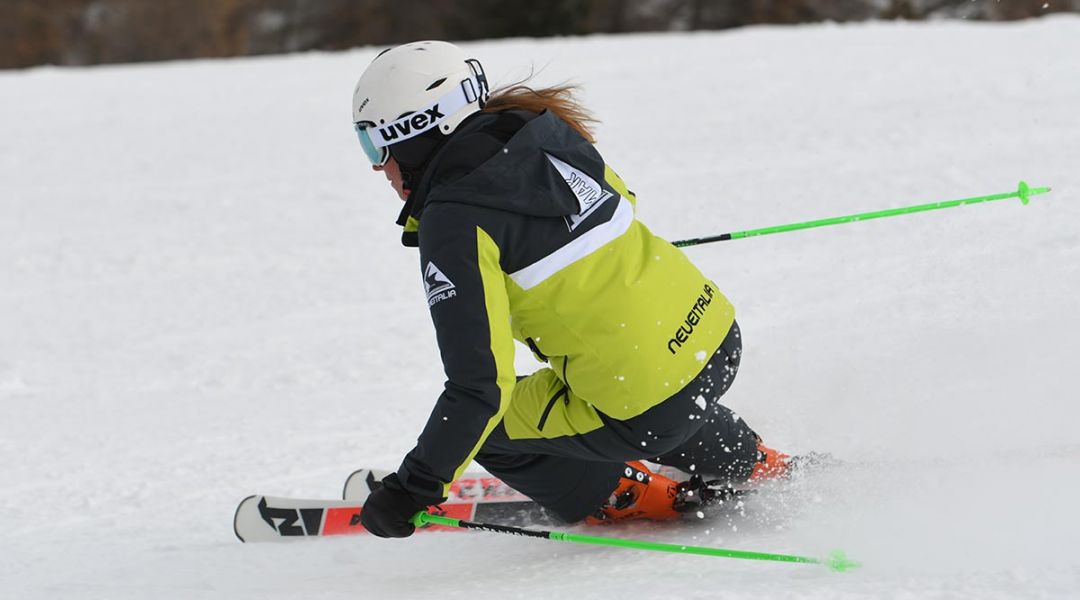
433 79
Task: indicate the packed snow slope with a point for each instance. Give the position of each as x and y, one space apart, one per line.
202 296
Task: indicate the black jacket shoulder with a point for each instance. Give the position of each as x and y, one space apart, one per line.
484 138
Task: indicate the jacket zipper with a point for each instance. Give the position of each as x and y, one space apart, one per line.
536 349
551 404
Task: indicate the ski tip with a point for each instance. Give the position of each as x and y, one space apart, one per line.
236 517
361 483
348 483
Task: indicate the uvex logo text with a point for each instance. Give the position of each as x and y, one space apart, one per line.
412 124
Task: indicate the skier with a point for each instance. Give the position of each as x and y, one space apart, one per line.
526 234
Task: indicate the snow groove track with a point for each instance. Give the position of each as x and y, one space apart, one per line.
202 297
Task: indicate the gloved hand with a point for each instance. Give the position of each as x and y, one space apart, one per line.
388 509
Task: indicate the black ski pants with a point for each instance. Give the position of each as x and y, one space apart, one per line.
572 475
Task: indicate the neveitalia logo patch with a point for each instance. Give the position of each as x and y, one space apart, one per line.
438 285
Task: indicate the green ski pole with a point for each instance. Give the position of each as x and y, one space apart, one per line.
836 561
1023 192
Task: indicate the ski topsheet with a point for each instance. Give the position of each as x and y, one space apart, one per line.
475 496
470 488
269 518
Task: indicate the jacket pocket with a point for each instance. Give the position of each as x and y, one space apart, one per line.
563 393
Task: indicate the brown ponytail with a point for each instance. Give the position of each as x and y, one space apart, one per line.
558 99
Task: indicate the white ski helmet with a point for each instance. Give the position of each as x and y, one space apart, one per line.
412 89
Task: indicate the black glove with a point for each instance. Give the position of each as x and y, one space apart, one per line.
387 510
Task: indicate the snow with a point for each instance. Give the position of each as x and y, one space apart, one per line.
202 296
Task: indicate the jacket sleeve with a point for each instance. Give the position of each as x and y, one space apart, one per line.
466 294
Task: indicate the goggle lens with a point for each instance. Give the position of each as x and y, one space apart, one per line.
377 156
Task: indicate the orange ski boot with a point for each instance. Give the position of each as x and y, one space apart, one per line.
771 464
641 494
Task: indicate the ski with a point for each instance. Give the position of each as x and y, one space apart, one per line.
473 496
469 488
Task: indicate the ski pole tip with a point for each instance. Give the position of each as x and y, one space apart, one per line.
1025 192
839 562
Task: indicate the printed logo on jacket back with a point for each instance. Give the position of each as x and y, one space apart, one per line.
438 285
590 194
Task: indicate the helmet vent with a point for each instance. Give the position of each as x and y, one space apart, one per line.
435 84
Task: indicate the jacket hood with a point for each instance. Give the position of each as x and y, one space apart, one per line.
520 177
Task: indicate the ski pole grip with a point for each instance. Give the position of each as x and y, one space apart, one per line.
421 519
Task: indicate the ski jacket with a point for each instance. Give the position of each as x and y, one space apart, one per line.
526 234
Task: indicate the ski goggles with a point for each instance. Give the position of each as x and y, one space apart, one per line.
378 155
377 139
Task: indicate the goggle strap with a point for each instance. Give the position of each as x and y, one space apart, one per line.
404 128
